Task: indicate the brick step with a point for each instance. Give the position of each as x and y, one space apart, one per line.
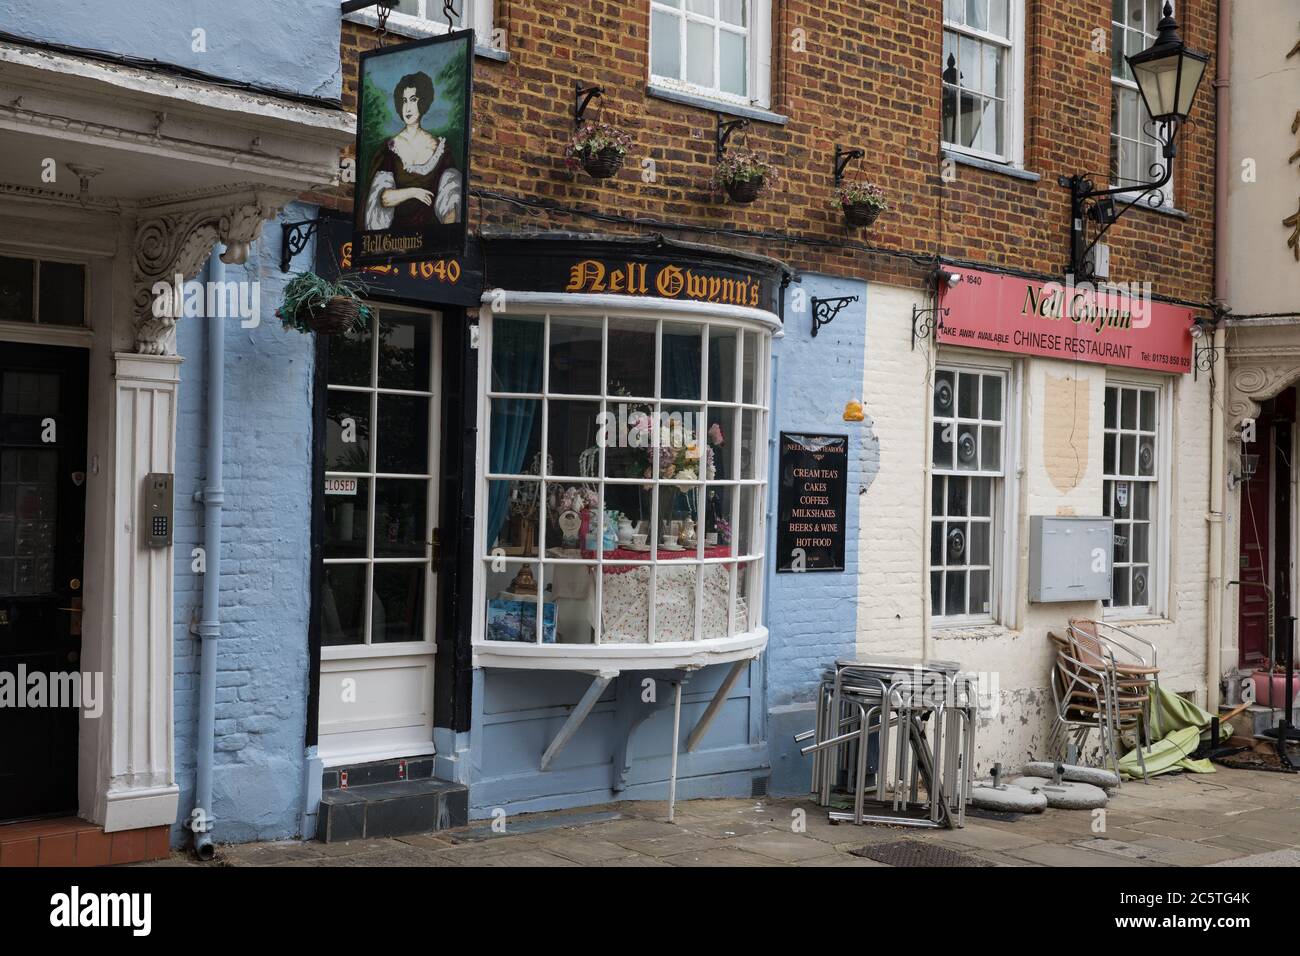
67 841
379 771
1257 718
391 809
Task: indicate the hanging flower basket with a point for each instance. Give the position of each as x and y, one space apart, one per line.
861 202
337 316
744 175
599 149
312 303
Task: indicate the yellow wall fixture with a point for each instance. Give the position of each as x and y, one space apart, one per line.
853 411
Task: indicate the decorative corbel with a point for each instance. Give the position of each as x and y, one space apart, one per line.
177 244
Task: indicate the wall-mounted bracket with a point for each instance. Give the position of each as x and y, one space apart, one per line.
294 238
824 310
925 321
582 97
725 128
842 159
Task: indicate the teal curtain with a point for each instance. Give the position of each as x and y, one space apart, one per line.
516 367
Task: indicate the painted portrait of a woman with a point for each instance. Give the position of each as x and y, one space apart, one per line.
413 180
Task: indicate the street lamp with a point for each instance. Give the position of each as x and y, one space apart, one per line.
1168 75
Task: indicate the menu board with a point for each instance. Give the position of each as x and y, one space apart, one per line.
811 502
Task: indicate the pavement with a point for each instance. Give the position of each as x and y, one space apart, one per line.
1228 818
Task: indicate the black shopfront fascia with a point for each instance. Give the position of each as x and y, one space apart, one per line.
641 266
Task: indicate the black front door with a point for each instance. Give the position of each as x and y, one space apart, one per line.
42 532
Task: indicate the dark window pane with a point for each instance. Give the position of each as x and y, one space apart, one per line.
944 385
957 488
571 437
398 610
681 363
403 440
517 354
400 524
63 293
16 276
349 358
347 432
936 543
722 364
632 358
404 342
955 598
343 604
347 516
957 544
516 427
575 356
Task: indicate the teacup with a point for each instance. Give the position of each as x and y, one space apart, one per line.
669 541
638 540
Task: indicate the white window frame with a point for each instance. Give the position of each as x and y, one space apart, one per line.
1144 124
1003 607
1159 543
430 22
738 640
758 55
1014 104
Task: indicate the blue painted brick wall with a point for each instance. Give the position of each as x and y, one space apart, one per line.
813 617
262 659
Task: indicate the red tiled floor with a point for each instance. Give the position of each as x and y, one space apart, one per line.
129 846
57 849
94 848
18 852
157 843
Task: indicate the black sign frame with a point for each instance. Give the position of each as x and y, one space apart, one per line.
796 450
428 241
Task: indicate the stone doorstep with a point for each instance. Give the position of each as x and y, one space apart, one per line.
391 809
67 841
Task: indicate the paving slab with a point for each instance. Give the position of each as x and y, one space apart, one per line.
787 847
1049 854
1290 858
721 856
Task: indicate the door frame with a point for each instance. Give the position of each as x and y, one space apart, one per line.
401 738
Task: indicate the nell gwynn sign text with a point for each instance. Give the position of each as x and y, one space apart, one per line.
665 281
1107 325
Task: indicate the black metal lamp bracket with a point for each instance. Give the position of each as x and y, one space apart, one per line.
842 159
1089 205
294 237
582 97
925 321
824 310
725 129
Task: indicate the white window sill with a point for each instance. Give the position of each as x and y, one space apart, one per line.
620 657
942 630
990 165
715 105
416 29
1136 620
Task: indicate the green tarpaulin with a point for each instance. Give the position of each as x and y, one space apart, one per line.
1182 724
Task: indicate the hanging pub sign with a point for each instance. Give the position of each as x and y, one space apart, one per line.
444 280
1108 324
811 502
413 134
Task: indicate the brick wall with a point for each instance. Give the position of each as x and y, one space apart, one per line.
867 75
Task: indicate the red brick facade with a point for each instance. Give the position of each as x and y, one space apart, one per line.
866 74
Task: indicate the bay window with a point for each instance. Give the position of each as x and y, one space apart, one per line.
623 482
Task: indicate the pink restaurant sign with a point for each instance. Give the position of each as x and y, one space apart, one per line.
1109 325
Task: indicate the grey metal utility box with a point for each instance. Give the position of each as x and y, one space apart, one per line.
1064 555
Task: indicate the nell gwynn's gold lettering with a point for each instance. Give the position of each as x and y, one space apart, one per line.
670 282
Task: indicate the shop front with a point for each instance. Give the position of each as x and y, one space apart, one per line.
1051 401
544 519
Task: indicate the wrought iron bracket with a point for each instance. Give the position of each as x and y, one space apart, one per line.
1093 211
294 237
582 97
842 159
925 321
825 310
724 131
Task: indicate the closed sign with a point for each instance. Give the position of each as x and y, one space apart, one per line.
341 486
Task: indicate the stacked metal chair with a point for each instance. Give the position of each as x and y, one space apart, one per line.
1102 682
884 730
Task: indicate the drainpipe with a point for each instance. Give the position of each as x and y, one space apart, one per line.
212 497
1214 597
